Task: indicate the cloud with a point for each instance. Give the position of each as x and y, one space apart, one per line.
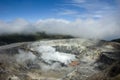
103 28
90 8
16 26
78 1
93 4
68 12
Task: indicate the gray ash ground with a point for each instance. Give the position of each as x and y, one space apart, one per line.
63 59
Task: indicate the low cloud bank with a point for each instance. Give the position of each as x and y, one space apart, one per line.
102 28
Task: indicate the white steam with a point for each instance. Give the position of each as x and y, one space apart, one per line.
102 28
49 54
24 56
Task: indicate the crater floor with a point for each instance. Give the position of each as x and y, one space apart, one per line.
63 59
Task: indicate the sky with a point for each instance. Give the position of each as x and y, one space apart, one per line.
33 10
86 18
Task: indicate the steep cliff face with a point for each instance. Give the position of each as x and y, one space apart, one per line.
63 59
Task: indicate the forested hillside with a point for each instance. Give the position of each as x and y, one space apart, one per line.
13 38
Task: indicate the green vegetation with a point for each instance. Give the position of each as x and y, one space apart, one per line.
13 38
116 40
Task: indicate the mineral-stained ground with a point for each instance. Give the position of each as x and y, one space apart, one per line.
63 59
